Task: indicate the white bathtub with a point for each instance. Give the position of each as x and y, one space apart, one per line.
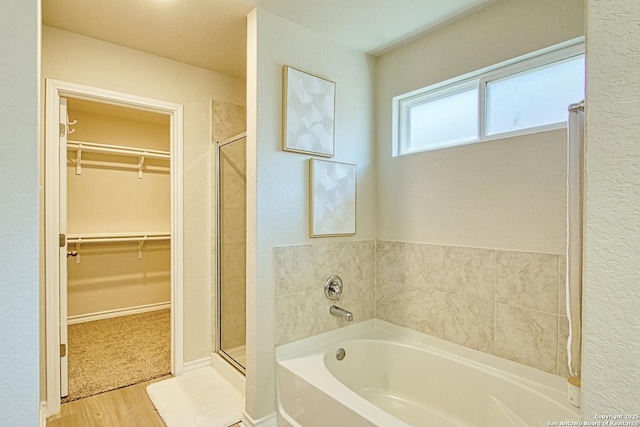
393 376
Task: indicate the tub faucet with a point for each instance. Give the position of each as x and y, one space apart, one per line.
341 312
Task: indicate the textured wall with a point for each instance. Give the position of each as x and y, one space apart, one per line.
611 347
19 23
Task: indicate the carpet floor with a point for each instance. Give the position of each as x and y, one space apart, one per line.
113 353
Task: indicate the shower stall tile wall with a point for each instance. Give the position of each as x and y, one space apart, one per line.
505 303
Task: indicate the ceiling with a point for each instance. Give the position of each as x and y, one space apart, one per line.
212 33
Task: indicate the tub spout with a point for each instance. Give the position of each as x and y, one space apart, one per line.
341 312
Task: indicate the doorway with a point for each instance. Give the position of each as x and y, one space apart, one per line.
106 227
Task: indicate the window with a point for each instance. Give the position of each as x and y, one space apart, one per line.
526 95
442 119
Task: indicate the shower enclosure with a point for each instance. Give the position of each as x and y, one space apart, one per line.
231 253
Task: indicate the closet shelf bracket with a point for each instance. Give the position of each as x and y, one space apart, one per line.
69 124
79 161
77 250
140 247
140 166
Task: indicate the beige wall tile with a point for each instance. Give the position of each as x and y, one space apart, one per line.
563 336
390 302
526 336
233 261
360 299
446 292
391 261
294 269
227 120
426 311
470 272
330 259
469 321
302 310
362 260
424 267
234 230
299 316
562 285
527 280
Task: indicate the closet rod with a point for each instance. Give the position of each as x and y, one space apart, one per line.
115 239
79 240
115 149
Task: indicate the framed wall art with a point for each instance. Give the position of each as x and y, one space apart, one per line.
332 198
308 104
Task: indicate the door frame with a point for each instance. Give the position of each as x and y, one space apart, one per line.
56 89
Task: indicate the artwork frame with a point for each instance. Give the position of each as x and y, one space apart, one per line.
332 198
308 113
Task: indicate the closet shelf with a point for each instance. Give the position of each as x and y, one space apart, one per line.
94 147
141 238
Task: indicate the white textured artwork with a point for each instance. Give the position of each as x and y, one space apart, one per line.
309 104
333 198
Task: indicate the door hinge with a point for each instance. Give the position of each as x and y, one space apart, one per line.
63 129
63 350
63 240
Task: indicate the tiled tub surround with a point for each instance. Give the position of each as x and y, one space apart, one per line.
302 310
510 304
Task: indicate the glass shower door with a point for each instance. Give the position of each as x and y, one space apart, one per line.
231 211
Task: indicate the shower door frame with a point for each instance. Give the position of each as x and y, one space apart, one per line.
55 90
218 340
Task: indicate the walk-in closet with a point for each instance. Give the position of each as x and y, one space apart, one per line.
118 241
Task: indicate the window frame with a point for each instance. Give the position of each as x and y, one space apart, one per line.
477 79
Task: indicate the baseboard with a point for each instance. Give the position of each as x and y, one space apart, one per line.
270 420
117 313
196 364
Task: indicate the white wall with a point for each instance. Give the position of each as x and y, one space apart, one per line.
19 41
280 214
505 194
77 59
611 347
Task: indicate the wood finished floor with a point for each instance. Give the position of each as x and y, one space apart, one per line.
125 407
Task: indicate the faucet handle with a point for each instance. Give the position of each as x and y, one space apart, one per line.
333 288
